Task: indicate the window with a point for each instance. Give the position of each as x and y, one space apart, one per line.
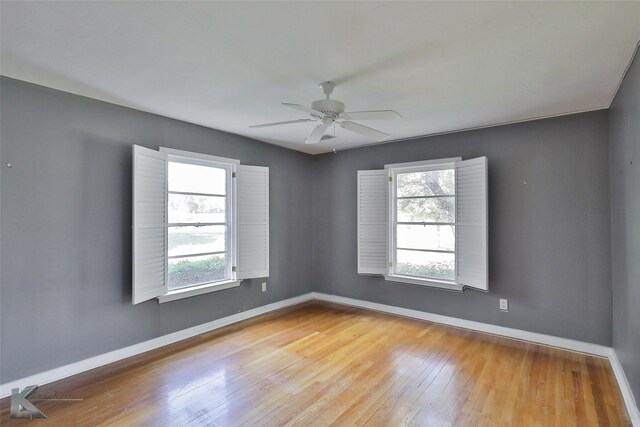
200 223
425 223
200 242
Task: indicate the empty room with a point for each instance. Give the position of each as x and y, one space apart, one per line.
319 213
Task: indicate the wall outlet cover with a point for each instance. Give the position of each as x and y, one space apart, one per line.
504 304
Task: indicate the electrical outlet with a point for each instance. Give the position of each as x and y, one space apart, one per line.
504 304
264 286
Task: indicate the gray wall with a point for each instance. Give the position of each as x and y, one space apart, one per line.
66 228
549 240
66 218
624 131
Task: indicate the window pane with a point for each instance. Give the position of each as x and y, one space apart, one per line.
186 208
438 237
439 209
192 271
197 179
431 183
196 240
434 265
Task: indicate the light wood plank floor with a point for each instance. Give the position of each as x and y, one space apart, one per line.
321 364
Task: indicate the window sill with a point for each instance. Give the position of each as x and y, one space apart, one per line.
432 283
198 290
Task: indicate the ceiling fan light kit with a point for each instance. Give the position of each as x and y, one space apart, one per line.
330 112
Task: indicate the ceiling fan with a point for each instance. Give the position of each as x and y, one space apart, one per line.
330 112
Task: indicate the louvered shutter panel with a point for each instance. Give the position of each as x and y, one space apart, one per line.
253 222
472 223
372 222
149 223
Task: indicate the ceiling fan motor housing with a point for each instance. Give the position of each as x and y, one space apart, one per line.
329 107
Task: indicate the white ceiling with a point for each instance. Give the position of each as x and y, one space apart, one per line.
444 66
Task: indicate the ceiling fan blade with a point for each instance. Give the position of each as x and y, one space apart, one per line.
365 131
371 115
306 109
316 134
288 122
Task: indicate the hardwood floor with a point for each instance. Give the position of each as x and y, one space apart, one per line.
322 364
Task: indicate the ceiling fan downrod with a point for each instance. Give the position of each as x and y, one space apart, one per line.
327 88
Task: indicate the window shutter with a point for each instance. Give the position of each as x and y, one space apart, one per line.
253 222
373 186
149 221
471 223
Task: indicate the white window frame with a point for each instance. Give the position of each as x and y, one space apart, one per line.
247 221
392 171
231 249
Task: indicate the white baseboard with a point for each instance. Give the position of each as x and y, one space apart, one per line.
627 393
113 356
519 334
549 340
